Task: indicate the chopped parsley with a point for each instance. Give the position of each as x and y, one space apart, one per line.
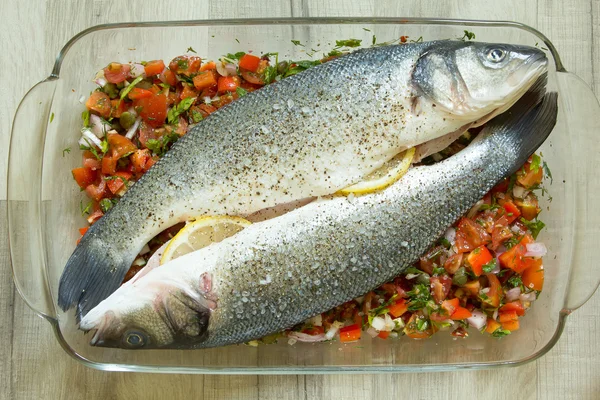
66 151
422 324
51 117
85 117
498 333
174 112
85 210
438 270
334 53
131 86
535 163
489 267
235 56
467 35
240 91
534 226
515 281
547 171
297 43
191 50
196 116
348 43
419 297
374 40
160 146
107 204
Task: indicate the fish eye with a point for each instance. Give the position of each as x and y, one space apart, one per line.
496 55
135 339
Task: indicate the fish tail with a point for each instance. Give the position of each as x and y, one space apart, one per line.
93 272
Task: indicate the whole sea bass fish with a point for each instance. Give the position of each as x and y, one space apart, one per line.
311 134
277 273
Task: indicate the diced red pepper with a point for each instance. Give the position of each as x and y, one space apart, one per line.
398 308
249 62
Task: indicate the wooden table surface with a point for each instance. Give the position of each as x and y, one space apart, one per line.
33 366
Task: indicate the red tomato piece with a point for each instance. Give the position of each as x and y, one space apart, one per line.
118 107
350 333
120 146
472 287
470 235
533 277
90 160
398 308
208 66
383 334
492 326
314 330
453 263
450 305
478 258
185 65
511 325
501 232
493 296
117 181
84 176
440 287
97 192
99 102
460 313
513 257
109 165
205 79
411 328
253 77
188 92
249 62
154 67
82 231
513 306
512 211
170 77
153 110
116 73
137 93
95 216
228 84
528 178
507 316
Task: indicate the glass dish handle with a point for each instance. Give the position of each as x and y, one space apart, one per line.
582 112
25 216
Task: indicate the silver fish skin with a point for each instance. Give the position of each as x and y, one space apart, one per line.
277 273
308 135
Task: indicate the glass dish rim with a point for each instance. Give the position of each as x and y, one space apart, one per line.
55 74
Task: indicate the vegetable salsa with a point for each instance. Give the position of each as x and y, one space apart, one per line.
484 273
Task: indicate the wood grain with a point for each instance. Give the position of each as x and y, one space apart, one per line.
32 365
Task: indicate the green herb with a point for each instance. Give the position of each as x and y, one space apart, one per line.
383 308
515 281
489 267
85 117
419 297
510 243
270 73
66 150
419 40
413 270
51 117
240 91
460 277
511 183
498 333
547 171
422 324
468 36
297 43
348 43
164 85
106 204
235 56
196 116
104 146
85 210
237 40
535 163
334 53
534 226
438 270
483 296
374 40
191 50
174 112
126 91
367 30
445 242
160 146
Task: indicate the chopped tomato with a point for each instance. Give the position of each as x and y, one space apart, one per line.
185 65
528 178
90 160
533 277
95 216
84 176
170 77
513 306
430 258
501 187
478 258
154 67
493 295
249 62
208 66
453 263
82 231
440 287
507 316
513 257
511 325
206 109
398 308
120 146
460 313
253 77
153 109
99 102
109 165
350 333
512 212
141 160
116 73
228 84
96 192
146 133
384 334
314 330
501 232
137 93
117 108
450 305
205 79
492 326
188 92
472 287
470 235
117 181
411 328
529 207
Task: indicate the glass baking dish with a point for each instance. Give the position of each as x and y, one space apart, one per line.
43 200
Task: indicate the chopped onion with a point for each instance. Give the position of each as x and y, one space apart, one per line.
497 267
519 191
131 132
333 330
515 229
226 69
145 249
378 323
528 297
372 331
475 209
536 250
304 337
513 294
99 126
89 135
411 276
206 99
317 320
82 99
292 341
100 81
477 319
132 111
137 70
399 323
450 235
139 262
389 323
495 315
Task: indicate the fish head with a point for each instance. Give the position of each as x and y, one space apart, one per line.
151 314
476 81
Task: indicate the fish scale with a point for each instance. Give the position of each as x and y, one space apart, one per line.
311 134
277 273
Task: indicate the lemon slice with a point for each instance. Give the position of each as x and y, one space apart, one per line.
201 233
389 173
